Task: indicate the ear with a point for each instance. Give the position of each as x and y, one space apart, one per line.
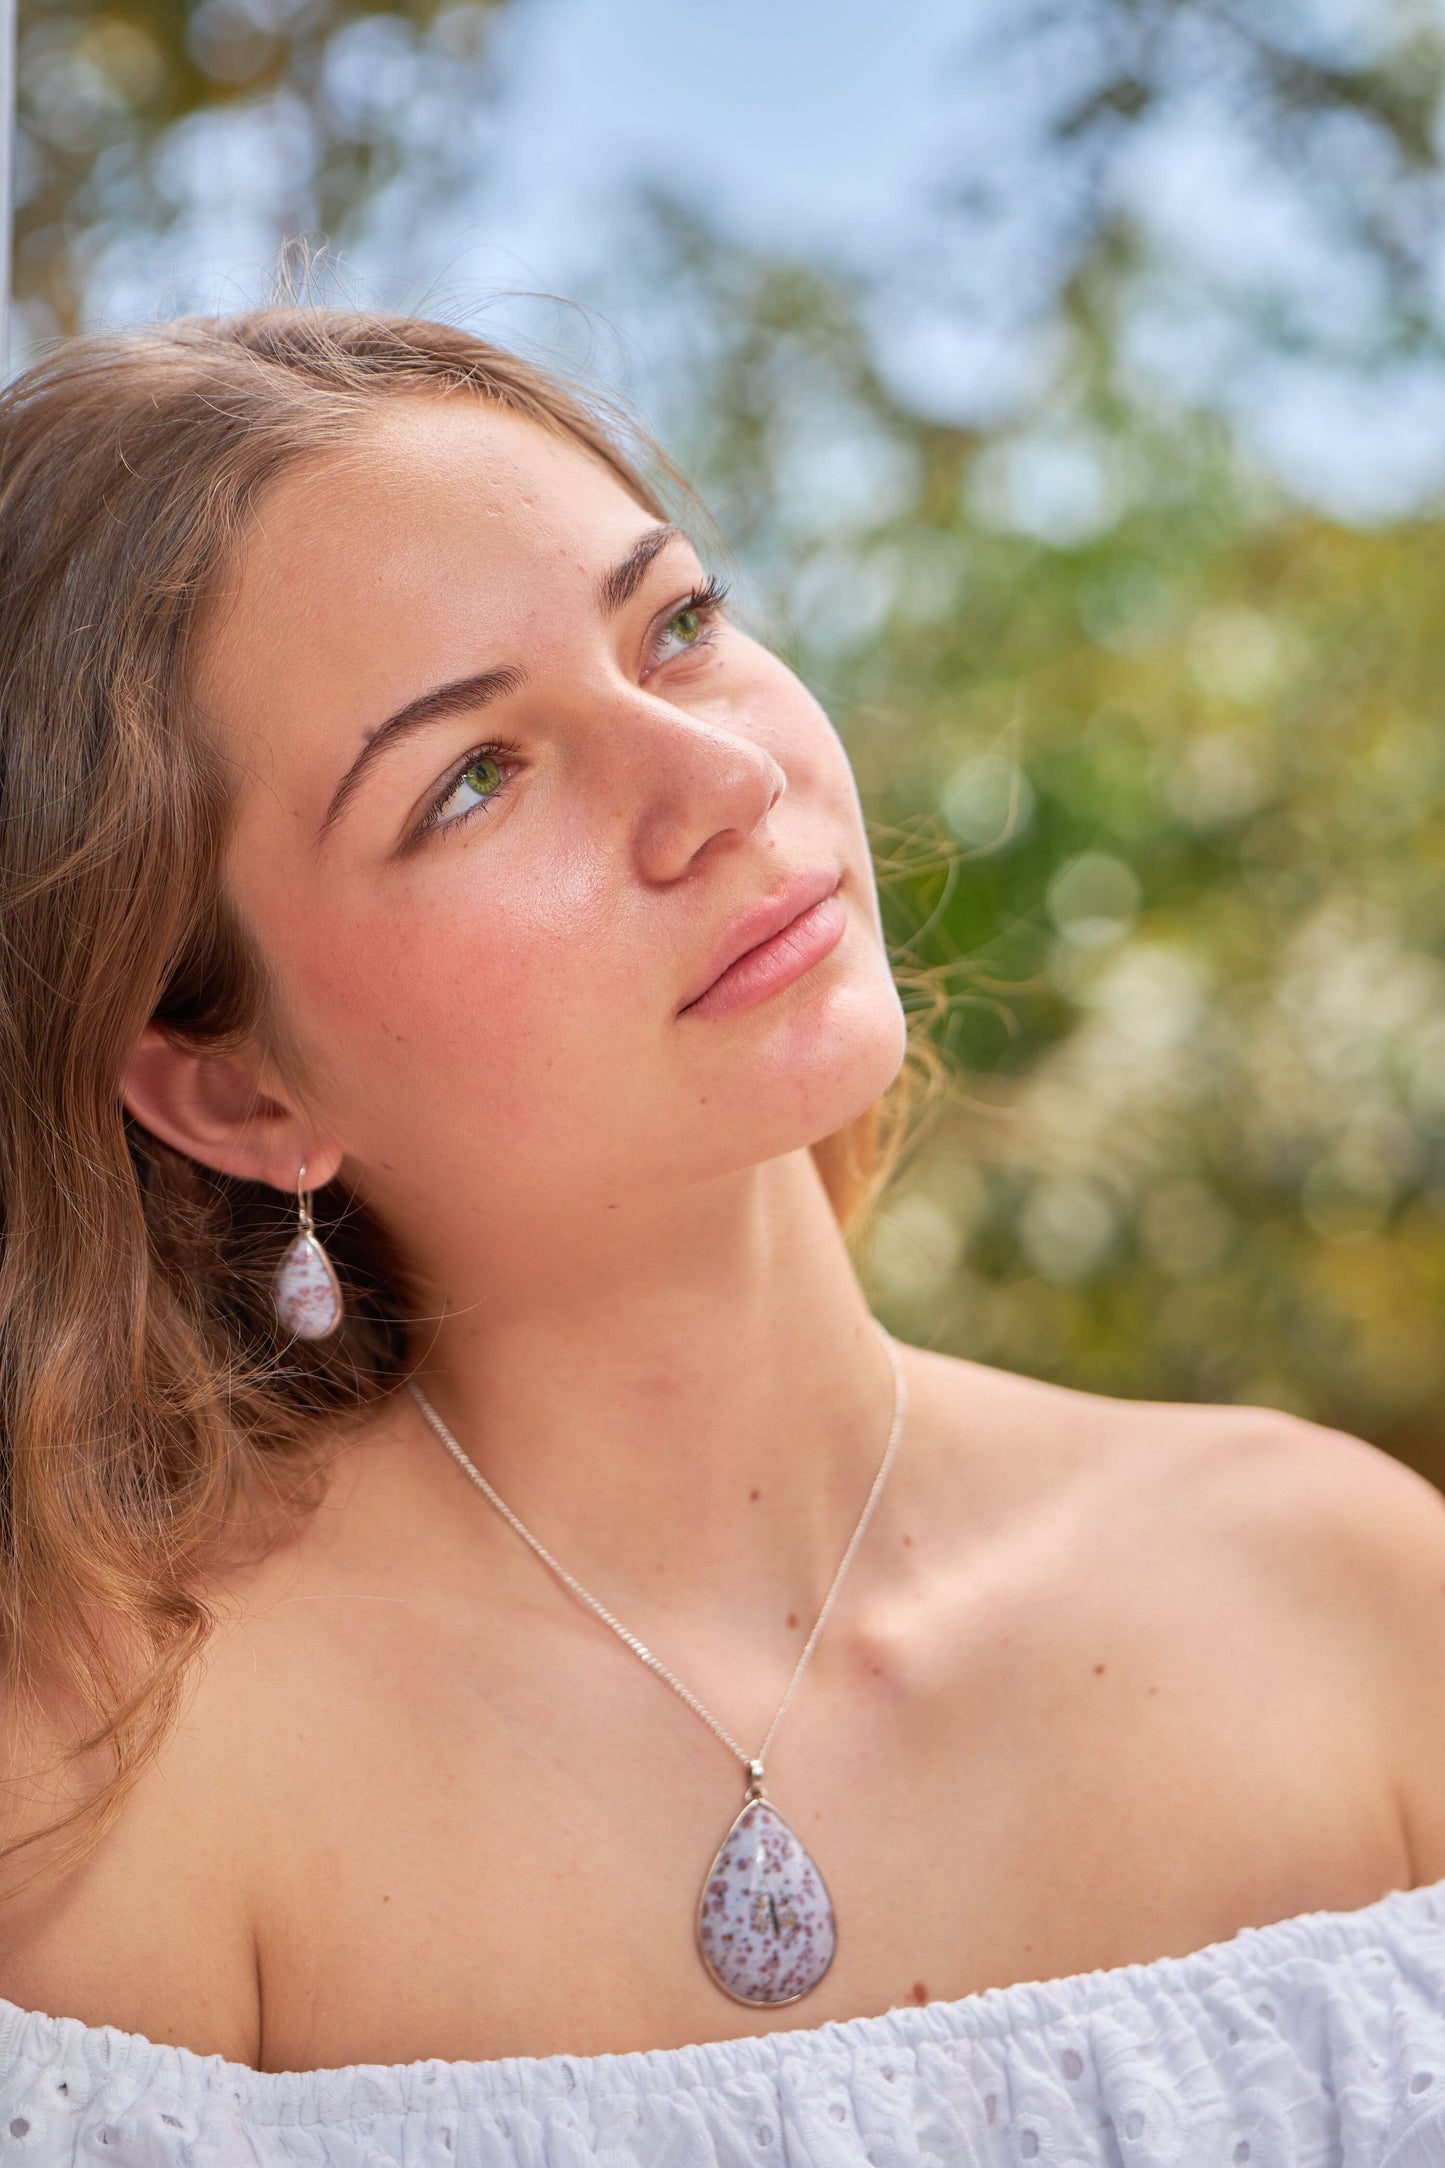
212 1108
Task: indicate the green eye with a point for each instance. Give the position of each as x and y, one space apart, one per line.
484 775
691 625
476 787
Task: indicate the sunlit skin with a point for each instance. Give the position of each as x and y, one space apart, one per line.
1108 1682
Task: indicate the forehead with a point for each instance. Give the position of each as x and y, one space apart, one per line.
443 526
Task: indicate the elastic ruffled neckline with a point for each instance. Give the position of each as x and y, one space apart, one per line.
355 2090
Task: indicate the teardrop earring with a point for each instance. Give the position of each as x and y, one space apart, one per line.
307 1291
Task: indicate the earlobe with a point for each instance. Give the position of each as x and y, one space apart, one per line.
211 1107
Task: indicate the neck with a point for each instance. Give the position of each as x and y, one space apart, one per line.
685 1404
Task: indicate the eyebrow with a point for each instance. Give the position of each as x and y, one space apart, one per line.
614 590
456 698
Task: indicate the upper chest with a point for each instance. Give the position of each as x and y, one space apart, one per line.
475 1843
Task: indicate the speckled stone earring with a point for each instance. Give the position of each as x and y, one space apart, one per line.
307 1291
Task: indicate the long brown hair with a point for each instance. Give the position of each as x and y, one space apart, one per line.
144 1393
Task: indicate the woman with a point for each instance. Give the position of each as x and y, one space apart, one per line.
396 825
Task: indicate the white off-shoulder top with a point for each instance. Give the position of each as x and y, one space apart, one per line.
1315 2042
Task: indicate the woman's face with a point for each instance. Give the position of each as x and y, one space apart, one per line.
487 907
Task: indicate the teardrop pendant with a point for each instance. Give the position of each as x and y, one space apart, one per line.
764 1919
307 1291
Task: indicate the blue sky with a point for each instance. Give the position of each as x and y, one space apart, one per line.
798 126
832 132
820 129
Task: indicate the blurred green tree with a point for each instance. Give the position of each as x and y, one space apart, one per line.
308 109
1154 757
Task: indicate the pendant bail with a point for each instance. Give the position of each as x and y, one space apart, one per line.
755 1780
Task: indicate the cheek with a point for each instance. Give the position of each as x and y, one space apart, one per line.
804 743
435 1003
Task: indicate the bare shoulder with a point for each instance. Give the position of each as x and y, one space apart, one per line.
139 1917
1311 1502
1325 1552
150 1925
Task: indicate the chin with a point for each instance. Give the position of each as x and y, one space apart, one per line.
829 1063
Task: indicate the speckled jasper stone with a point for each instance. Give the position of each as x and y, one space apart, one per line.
308 1297
765 1921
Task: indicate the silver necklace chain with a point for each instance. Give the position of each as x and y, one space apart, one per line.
753 1763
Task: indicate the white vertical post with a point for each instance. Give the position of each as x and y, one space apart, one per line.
7 172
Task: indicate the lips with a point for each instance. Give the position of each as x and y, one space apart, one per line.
763 920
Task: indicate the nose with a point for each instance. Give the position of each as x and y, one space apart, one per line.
701 785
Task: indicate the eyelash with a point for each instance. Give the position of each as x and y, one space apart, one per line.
707 600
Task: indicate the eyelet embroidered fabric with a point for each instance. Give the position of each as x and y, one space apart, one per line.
1316 2042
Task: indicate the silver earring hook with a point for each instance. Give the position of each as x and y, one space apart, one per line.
303 1203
